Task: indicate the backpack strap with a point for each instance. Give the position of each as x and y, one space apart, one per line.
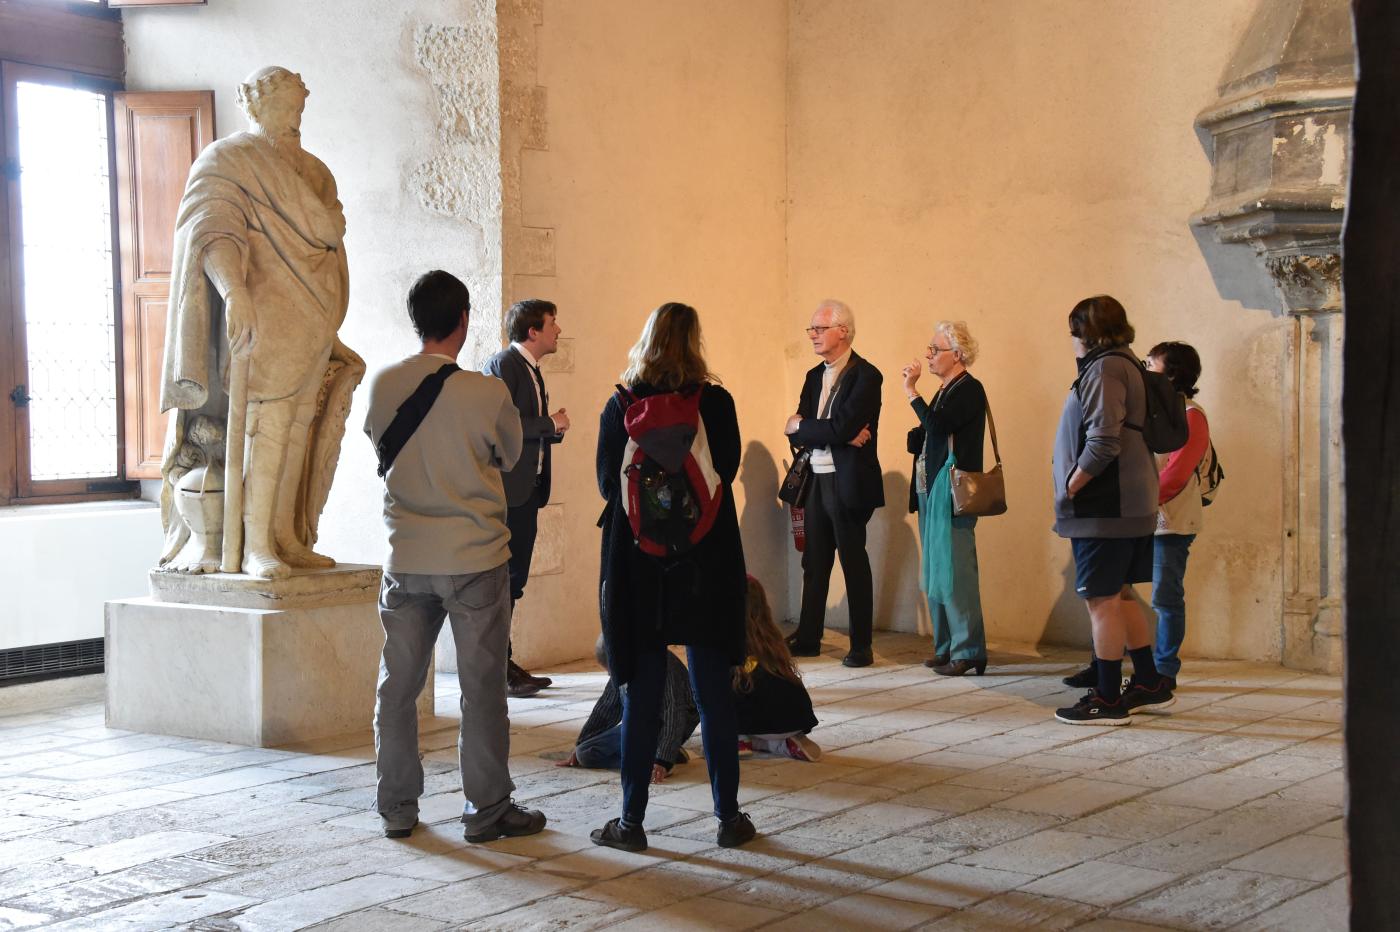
410 415
1098 355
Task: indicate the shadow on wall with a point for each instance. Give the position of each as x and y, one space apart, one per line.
1237 273
764 522
894 550
1067 625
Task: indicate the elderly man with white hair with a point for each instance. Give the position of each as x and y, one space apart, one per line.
837 420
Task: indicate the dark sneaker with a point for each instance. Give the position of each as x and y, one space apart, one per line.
1138 698
514 822
735 832
1091 710
622 837
1084 679
798 649
398 828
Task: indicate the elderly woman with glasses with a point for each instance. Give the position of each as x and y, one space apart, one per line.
948 568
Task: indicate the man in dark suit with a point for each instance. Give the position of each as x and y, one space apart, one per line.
534 334
837 419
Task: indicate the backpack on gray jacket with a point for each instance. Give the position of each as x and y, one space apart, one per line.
1164 429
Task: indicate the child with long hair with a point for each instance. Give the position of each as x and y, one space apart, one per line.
772 706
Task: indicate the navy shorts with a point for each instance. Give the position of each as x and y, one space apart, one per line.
1104 565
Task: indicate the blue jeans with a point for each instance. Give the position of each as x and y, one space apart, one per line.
603 751
641 724
1169 552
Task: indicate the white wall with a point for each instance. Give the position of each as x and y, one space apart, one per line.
996 162
60 563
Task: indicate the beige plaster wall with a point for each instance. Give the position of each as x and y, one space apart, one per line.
404 110
659 177
996 162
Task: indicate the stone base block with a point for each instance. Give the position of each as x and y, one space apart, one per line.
246 676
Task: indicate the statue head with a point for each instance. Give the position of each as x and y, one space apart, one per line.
273 99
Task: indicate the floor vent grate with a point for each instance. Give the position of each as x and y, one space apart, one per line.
52 659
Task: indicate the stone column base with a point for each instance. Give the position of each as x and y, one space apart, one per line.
256 677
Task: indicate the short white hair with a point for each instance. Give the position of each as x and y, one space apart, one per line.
841 315
959 339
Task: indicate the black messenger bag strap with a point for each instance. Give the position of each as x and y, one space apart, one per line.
410 415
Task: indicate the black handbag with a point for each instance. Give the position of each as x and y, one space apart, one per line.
798 480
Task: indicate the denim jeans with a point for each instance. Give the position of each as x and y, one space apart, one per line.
641 724
1169 552
603 751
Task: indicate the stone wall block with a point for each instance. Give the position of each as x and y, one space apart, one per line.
531 250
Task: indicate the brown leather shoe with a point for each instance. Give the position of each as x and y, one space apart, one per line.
960 667
515 672
937 660
519 684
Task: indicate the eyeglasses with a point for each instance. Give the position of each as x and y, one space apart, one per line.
935 350
818 331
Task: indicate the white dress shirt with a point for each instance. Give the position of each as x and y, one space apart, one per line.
821 459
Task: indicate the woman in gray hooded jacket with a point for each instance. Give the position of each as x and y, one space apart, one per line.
1106 504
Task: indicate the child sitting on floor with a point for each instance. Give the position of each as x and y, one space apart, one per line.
773 709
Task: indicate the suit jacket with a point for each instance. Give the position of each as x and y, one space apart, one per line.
855 405
538 427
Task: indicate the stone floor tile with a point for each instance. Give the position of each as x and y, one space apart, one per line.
1139 820
955 885
701 914
379 919
1284 767
311 906
1222 837
15 825
1214 900
1099 883
1304 857
1009 777
861 912
1062 759
1044 852
1117 925
88 768
949 797
659 886
150 847
882 751
563 912
866 824
113 889
1321 910
1076 796
239 779
478 897
984 828
958 759
1334 829
1156 770
261 850
834 796
21 851
1215 791
893 857
797 888
39 875
11 918
81 810
1329 787
1017 910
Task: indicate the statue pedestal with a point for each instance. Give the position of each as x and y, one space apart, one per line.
248 661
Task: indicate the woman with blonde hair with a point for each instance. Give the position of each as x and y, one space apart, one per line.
692 594
953 425
773 709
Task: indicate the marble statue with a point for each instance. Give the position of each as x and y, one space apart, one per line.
259 288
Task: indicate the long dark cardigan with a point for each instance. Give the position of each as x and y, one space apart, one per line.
697 599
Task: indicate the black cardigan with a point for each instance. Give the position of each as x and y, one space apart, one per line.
648 602
959 409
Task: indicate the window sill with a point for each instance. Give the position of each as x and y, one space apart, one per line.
33 508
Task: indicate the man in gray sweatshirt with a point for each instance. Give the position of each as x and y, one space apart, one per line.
445 508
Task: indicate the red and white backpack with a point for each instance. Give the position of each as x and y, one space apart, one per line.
670 490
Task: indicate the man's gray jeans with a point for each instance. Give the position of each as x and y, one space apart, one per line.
411 609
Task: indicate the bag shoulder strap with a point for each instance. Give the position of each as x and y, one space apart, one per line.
992 427
410 415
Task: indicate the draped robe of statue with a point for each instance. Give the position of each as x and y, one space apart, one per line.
288 227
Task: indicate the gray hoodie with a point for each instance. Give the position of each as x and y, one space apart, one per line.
1095 434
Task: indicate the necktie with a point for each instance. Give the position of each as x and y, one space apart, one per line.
544 395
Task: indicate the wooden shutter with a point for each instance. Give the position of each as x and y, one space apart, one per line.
158 136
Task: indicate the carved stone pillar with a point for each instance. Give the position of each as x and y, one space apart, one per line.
1280 135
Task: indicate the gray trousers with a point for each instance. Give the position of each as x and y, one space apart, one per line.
411 609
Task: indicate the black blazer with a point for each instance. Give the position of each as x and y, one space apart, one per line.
856 404
536 425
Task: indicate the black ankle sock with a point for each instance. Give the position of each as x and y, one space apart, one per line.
1110 679
1144 667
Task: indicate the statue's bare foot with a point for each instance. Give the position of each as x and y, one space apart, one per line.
264 565
304 557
